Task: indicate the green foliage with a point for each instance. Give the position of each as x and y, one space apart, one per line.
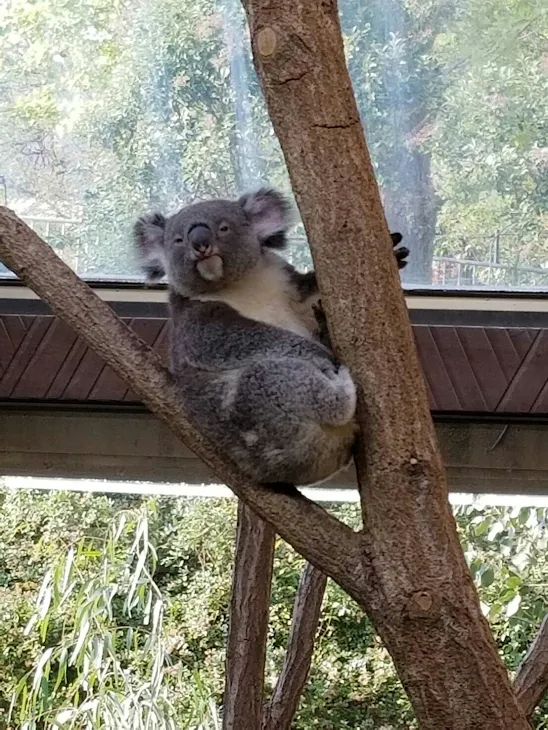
115 608
110 108
499 147
99 652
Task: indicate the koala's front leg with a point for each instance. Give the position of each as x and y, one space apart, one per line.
306 284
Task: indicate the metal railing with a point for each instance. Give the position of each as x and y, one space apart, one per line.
470 274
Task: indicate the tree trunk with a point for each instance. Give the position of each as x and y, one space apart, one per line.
246 649
422 601
531 680
243 707
281 709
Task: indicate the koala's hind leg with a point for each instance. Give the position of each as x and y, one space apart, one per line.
293 389
294 423
333 396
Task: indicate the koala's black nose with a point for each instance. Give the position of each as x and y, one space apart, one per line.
199 236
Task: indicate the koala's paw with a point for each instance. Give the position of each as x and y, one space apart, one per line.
290 490
330 370
402 253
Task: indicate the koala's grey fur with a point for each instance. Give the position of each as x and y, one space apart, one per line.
249 348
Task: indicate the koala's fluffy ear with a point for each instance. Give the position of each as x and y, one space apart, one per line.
270 215
148 237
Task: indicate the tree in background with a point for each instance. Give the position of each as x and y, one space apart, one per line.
109 108
491 163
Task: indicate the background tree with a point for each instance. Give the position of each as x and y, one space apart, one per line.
111 108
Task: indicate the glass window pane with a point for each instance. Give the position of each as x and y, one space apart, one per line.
109 108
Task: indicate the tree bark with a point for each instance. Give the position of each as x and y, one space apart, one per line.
531 680
250 601
423 601
279 712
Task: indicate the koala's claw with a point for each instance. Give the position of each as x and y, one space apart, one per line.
319 313
402 253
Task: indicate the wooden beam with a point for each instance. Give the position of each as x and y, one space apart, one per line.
479 457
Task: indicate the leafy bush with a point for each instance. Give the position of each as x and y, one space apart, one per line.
115 609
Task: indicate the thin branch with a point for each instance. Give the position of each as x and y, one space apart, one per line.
246 649
320 538
531 680
281 709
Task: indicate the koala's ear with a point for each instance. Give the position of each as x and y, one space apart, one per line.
270 215
148 238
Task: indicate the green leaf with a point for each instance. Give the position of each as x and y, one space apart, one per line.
487 577
61 669
82 636
482 527
513 607
513 582
42 669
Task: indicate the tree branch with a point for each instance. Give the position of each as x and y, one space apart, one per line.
425 609
246 649
320 538
279 712
531 680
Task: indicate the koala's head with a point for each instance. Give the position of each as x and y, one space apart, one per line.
206 246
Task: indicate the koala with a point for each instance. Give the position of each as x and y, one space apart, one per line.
250 351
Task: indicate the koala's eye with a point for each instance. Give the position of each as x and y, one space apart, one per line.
178 239
224 228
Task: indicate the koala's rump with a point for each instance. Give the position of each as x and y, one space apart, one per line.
259 416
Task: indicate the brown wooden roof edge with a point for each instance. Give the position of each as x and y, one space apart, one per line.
136 283
480 355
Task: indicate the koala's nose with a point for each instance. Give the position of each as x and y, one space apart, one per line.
199 236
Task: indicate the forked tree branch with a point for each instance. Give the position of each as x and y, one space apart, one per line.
531 680
279 712
426 608
38 266
323 540
247 636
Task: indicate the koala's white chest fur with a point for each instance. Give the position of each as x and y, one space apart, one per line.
263 295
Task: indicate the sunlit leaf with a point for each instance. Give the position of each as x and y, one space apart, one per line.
482 527
513 607
42 668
